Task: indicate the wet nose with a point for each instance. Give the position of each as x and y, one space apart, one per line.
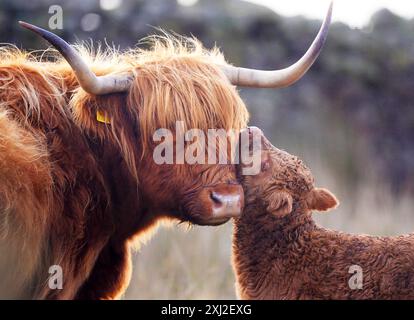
227 204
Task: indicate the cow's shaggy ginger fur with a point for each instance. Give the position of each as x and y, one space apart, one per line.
280 253
70 185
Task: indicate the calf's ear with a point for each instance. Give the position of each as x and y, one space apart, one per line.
279 203
321 200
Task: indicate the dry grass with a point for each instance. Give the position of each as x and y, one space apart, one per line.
180 264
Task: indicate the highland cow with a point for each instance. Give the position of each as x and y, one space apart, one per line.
78 183
280 253
75 191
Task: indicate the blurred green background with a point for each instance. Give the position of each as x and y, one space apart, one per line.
351 118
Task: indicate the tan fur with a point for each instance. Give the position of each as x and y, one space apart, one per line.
25 187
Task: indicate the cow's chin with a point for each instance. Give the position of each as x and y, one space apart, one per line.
202 217
207 221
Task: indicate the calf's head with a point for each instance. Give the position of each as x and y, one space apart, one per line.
283 182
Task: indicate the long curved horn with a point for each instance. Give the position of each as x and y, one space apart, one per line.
284 77
87 79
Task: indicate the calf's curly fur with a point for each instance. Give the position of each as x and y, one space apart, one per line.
280 253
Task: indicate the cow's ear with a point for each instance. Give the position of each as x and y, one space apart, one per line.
279 203
321 200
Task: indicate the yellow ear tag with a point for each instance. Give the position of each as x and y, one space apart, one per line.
102 117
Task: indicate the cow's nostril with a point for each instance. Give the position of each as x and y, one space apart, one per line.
226 204
216 198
